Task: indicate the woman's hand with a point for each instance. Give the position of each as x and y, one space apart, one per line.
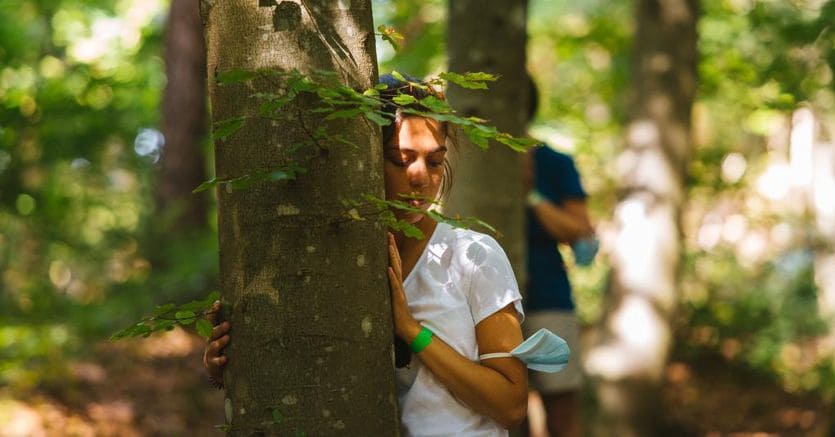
405 326
213 357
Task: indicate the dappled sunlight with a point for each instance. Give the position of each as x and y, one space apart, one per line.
733 167
175 343
640 337
801 144
775 183
644 235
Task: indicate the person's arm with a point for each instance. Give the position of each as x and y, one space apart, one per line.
566 223
497 388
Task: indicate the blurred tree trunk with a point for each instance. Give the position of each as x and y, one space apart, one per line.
490 36
629 357
182 163
813 164
308 299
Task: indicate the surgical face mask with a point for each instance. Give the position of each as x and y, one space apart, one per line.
544 351
585 250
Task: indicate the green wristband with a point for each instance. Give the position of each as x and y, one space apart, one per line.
422 340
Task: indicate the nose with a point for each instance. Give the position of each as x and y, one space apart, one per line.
418 174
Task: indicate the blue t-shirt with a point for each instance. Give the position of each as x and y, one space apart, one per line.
557 179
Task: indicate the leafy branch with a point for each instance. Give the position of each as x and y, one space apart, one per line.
382 210
339 101
166 317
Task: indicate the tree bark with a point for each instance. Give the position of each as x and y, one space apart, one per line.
311 351
490 36
629 359
182 163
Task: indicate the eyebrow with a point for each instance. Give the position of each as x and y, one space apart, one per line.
440 148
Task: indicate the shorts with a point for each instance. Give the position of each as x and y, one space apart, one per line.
566 325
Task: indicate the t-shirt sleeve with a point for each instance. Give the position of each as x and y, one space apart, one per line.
557 176
492 284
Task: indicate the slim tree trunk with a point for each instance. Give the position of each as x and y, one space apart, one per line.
629 360
182 164
813 164
311 350
490 36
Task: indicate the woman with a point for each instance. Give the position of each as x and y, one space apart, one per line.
453 295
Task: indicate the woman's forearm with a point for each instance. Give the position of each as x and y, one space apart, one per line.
488 391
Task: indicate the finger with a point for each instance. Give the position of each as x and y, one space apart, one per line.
216 346
220 330
218 361
392 255
211 316
394 258
392 277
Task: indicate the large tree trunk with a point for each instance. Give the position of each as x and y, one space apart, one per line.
629 360
490 36
311 352
182 164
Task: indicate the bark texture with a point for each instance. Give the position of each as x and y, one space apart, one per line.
311 350
630 357
490 36
182 164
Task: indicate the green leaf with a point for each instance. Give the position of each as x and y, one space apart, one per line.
470 80
376 117
227 127
404 99
205 185
162 309
344 113
186 317
272 106
235 76
302 84
435 104
396 74
390 34
516 143
277 417
476 136
354 214
204 328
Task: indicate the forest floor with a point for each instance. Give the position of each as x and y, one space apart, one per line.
157 387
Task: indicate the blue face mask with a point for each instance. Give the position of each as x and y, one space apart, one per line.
544 351
585 250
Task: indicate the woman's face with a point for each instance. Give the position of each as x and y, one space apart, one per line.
414 164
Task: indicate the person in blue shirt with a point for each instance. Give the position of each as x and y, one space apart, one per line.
556 214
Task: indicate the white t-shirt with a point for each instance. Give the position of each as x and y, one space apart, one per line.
461 278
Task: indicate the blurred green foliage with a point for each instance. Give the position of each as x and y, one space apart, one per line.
79 253
83 253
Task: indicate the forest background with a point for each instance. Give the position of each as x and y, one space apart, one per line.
88 243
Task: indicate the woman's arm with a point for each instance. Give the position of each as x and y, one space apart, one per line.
497 388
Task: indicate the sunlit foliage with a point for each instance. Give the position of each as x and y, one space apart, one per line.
80 85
